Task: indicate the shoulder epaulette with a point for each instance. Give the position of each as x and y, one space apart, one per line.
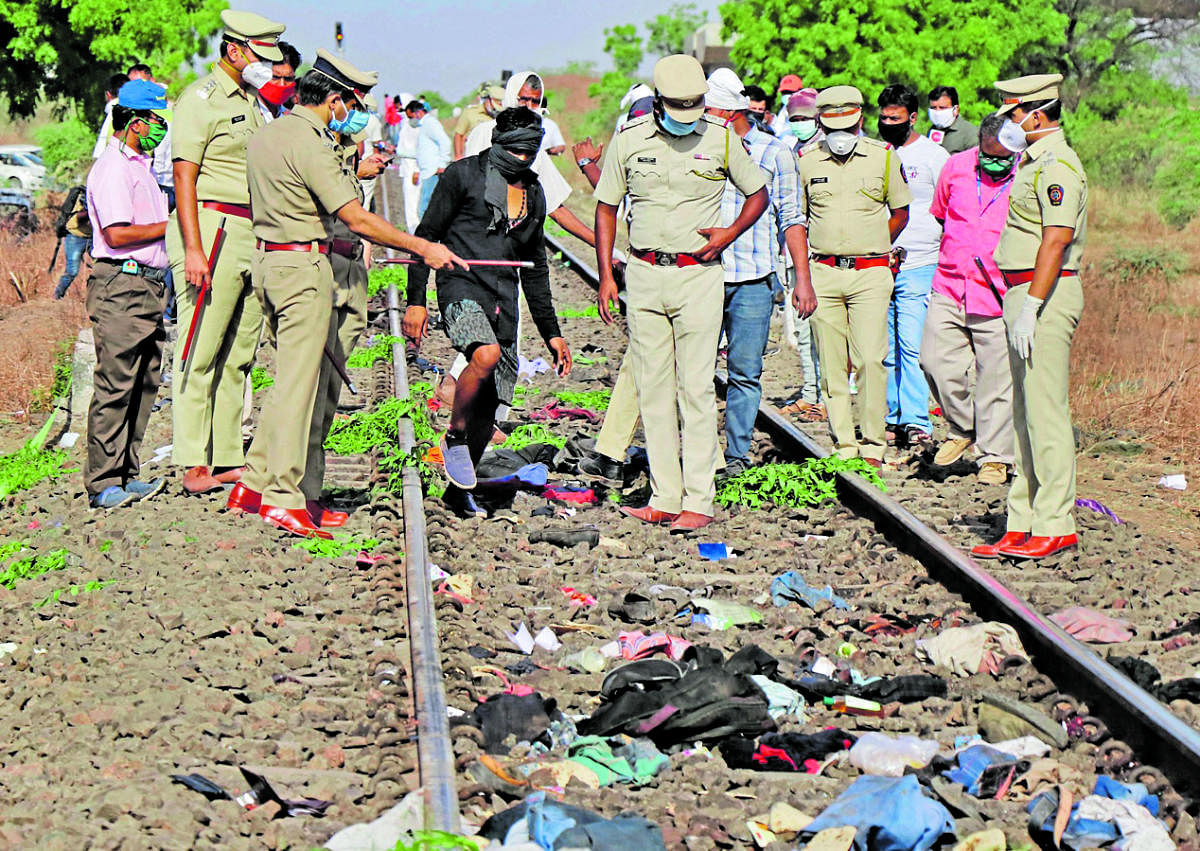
810 147
720 122
637 122
206 89
877 143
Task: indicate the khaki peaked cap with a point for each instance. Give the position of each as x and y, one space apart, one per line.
680 78
261 34
344 73
839 107
1028 89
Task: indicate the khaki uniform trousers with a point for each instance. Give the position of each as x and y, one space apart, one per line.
346 323
126 314
851 328
207 404
296 289
621 419
674 325
953 345
1041 500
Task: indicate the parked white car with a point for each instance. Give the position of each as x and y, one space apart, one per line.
21 167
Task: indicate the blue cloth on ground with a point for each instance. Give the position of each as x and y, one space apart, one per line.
530 476
889 813
1088 833
973 762
1107 787
790 587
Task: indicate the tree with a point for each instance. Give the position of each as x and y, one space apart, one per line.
667 32
72 46
965 43
624 45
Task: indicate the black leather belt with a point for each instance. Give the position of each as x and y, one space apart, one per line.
153 274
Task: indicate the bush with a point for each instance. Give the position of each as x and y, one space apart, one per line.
66 149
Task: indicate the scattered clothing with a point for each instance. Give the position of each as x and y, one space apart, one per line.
889 813
975 649
527 717
553 825
785 751
1089 625
790 587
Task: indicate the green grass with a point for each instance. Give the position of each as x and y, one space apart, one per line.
792 485
595 400
525 435
521 392
73 591
579 312
1128 264
60 382
260 379
379 350
31 464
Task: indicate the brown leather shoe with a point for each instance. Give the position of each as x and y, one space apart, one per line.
294 520
1010 539
323 517
1040 546
241 498
647 514
230 476
689 521
199 480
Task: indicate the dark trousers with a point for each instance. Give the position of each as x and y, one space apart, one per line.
126 313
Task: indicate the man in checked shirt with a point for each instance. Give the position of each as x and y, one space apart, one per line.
750 261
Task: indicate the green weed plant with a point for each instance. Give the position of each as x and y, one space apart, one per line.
380 349
436 840
792 485
30 566
579 312
31 463
74 591
260 379
341 545
526 435
380 277
594 400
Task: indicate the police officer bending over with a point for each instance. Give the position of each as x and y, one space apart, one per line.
298 183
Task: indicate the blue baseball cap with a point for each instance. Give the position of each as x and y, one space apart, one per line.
143 94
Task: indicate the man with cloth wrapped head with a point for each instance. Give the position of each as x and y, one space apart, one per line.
488 206
674 164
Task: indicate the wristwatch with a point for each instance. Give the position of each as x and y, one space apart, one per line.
584 162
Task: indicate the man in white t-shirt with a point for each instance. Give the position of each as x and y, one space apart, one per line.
553 142
921 161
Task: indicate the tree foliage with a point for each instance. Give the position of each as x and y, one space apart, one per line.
666 32
72 46
965 43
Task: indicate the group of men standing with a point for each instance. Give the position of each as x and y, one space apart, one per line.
874 230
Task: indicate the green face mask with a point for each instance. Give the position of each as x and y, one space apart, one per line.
995 167
154 137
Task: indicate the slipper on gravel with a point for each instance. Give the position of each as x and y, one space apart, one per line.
632 608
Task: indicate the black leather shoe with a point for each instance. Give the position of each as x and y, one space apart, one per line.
599 466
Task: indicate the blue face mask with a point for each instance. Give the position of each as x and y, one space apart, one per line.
354 122
677 128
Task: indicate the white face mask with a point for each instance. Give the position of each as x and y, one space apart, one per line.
942 118
1012 135
258 74
841 142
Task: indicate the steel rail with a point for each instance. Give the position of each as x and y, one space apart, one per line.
1160 737
435 752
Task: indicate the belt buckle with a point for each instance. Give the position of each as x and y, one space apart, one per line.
844 262
662 258
130 267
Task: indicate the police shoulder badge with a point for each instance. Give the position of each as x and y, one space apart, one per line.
1055 193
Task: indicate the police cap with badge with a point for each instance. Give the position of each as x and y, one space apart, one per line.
260 34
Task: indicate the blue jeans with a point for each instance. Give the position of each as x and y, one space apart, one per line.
747 323
907 388
74 246
427 186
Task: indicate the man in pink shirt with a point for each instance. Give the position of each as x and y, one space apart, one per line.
125 295
964 327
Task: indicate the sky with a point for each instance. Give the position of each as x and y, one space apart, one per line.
450 47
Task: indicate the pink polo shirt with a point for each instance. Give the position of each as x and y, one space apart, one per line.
121 189
974 208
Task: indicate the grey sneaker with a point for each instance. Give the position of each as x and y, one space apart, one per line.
142 490
113 496
456 456
733 469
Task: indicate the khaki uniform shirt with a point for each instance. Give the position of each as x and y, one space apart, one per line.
348 152
848 203
470 118
298 178
1049 190
213 120
674 183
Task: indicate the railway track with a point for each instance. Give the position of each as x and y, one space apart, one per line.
516 579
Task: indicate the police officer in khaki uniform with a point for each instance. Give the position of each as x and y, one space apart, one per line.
856 200
1039 254
673 164
214 118
349 316
477 113
298 182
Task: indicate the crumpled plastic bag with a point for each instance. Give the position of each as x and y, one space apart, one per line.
878 753
975 649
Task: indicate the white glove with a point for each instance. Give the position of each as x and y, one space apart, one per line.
1020 333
